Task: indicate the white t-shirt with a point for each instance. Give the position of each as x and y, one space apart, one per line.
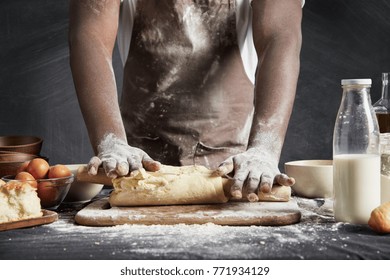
244 33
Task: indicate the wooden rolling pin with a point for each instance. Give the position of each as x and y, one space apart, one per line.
278 193
99 178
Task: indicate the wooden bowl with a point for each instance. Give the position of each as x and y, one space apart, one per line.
6 156
11 161
9 167
22 144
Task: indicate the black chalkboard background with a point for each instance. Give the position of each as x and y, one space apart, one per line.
341 39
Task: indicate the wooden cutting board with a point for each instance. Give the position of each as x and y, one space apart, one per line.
99 213
47 218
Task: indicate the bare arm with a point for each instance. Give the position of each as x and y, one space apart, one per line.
93 27
277 37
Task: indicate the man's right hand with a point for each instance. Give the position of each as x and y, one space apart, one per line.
118 158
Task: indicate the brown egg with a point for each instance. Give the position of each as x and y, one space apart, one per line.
38 167
26 177
47 193
59 171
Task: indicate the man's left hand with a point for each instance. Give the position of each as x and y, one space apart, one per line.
253 171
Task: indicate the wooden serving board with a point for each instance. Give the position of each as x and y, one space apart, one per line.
99 213
47 218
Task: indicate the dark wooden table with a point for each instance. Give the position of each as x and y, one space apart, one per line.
317 236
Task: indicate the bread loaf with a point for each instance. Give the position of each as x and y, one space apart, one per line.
171 185
380 218
18 201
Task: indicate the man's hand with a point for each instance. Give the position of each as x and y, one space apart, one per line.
254 171
118 158
277 39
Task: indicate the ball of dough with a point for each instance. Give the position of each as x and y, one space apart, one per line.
380 218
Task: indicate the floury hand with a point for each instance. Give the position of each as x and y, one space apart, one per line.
118 158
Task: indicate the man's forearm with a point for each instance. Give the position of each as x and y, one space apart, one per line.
97 93
277 37
92 33
275 92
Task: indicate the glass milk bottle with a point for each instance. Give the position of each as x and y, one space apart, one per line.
356 158
382 111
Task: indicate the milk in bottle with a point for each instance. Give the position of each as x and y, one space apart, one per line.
356 157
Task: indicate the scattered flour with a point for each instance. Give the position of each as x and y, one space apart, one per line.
208 240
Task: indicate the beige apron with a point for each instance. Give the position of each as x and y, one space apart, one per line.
186 97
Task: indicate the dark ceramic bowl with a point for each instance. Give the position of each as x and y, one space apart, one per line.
22 144
11 161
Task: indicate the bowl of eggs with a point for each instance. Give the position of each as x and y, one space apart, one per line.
52 182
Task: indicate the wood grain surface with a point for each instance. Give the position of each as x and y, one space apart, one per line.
47 218
99 178
99 213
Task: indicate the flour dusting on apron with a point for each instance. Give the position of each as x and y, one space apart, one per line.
186 97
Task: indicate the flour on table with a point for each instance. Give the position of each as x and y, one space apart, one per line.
208 241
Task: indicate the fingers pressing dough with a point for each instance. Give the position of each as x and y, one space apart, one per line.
174 185
277 193
180 185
